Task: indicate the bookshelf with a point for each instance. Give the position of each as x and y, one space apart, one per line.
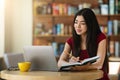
114 59
46 18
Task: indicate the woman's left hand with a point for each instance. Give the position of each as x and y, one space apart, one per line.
80 68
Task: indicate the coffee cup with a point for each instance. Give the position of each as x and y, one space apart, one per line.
24 66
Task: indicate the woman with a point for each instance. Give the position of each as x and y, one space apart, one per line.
87 41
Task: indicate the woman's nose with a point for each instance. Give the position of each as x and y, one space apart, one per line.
78 25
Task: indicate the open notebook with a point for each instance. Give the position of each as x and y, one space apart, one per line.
85 61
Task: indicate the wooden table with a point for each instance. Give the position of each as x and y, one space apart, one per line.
47 75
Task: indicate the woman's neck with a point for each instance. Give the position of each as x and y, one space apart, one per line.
83 42
83 38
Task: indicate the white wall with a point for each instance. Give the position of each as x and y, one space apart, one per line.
2 6
18 25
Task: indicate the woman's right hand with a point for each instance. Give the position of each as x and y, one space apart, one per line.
74 59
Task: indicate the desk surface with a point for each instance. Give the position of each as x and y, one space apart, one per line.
47 75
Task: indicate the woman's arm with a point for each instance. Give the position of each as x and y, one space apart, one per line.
65 55
101 52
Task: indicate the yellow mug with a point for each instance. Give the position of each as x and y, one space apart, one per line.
24 66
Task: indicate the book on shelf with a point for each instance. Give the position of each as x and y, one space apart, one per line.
54 45
113 27
110 27
117 6
111 47
63 9
55 9
104 29
67 66
114 7
116 27
104 9
114 48
117 45
111 7
57 48
62 29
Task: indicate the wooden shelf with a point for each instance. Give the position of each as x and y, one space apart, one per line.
52 38
114 59
114 37
42 36
94 3
50 15
44 0
102 19
114 17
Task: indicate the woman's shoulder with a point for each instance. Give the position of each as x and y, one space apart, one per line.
101 36
70 40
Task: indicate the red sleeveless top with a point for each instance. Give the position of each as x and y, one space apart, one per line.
84 54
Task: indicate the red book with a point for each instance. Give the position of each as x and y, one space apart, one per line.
55 8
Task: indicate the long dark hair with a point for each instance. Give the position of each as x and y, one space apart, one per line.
93 30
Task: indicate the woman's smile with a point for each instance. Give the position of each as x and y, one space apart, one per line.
78 30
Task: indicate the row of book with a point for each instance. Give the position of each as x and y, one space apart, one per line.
40 29
114 48
113 27
62 29
59 8
114 7
58 29
41 7
104 29
57 48
63 9
56 9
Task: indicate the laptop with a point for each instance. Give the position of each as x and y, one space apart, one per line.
41 57
11 60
